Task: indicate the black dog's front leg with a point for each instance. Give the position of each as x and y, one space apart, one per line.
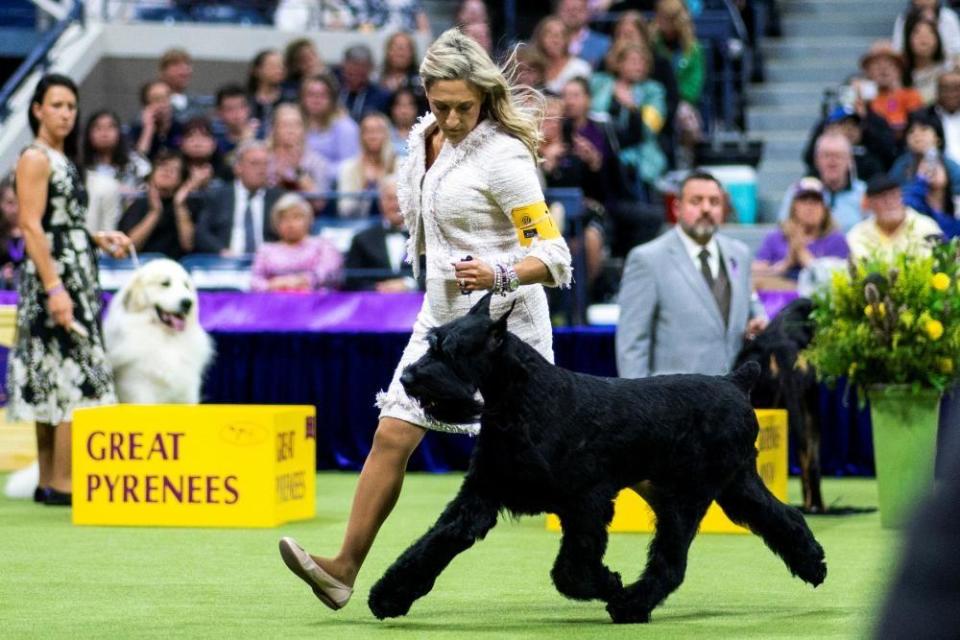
466 519
579 572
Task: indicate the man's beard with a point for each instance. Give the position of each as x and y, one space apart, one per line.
701 230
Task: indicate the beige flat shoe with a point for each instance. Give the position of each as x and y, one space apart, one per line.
328 589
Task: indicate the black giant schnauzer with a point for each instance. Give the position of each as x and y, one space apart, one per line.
788 382
556 441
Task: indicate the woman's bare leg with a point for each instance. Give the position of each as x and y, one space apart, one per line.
62 464
377 491
45 453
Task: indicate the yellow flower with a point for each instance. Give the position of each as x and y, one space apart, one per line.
940 281
934 329
868 310
946 365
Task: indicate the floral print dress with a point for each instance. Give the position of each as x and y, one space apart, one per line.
52 370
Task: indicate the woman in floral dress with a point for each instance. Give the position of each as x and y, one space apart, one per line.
58 362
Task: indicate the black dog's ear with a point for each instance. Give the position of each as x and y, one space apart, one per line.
498 329
482 308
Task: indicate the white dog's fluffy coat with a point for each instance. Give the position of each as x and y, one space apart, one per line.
155 345
154 341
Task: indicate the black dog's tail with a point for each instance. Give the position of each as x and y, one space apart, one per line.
745 376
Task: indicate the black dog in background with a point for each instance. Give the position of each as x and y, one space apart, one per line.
557 441
788 382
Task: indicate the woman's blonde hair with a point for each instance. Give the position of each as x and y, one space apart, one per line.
542 26
516 108
620 51
388 155
281 109
678 13
290 202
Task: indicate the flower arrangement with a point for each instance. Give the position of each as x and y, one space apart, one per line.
891 320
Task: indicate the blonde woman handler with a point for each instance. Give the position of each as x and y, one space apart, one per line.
468 188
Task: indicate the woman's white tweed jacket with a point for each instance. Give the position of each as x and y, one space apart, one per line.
461 207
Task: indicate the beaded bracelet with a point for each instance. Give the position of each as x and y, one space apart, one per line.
57 288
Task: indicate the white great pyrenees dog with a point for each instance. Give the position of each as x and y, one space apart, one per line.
154 341
155 345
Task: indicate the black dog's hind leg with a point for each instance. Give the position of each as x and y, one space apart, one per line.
467 518
678 518
579 572
749 503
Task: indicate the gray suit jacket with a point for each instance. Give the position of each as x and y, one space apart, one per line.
669 320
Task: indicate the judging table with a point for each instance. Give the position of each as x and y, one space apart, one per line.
336 350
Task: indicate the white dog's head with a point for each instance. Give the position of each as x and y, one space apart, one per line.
164 289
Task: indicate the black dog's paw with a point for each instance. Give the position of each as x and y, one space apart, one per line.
385 602
813 573
626 612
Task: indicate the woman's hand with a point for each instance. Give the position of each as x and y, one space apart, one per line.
60 306
473 275
114 243
585 150
624 95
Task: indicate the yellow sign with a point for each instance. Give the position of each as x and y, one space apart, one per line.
631 512
534 221
194 466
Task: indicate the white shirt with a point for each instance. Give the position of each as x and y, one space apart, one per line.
951 133
237 239
396 247
694 249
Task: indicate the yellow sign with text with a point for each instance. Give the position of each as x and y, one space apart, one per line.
632 514
194 466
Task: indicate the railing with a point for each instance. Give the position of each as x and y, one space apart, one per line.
37 58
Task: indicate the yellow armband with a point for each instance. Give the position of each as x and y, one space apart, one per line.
534 221
652 118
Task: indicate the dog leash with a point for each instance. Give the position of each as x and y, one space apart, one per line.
133 256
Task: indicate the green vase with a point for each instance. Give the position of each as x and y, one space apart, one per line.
904 446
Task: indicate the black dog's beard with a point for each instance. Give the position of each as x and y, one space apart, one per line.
447 401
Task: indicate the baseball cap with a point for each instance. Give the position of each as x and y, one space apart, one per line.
809 187
881 183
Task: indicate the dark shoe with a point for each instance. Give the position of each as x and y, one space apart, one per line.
58 499
40 495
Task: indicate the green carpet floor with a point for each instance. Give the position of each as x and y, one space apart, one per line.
60 581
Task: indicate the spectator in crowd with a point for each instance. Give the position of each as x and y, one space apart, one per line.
382 246
631 27
265 85
807 234
331 133
176 70
112 172
359 94
105 153
400 68
390 15
301 60
575 154
948 25
947 111
365 171
637 108
293 166
872 142
298 261
833 161
201 162
584 43
304 15
885 68
690 273
552 42
892 227
234 218
531 67
471 12
233 124
404 110
163 222
674 38
480 33
923 57
156 129
12 249
925 141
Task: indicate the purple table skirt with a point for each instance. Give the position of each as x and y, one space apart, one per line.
257 312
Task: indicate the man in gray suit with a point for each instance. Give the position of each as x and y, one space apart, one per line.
685 298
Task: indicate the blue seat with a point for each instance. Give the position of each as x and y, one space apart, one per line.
221 273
